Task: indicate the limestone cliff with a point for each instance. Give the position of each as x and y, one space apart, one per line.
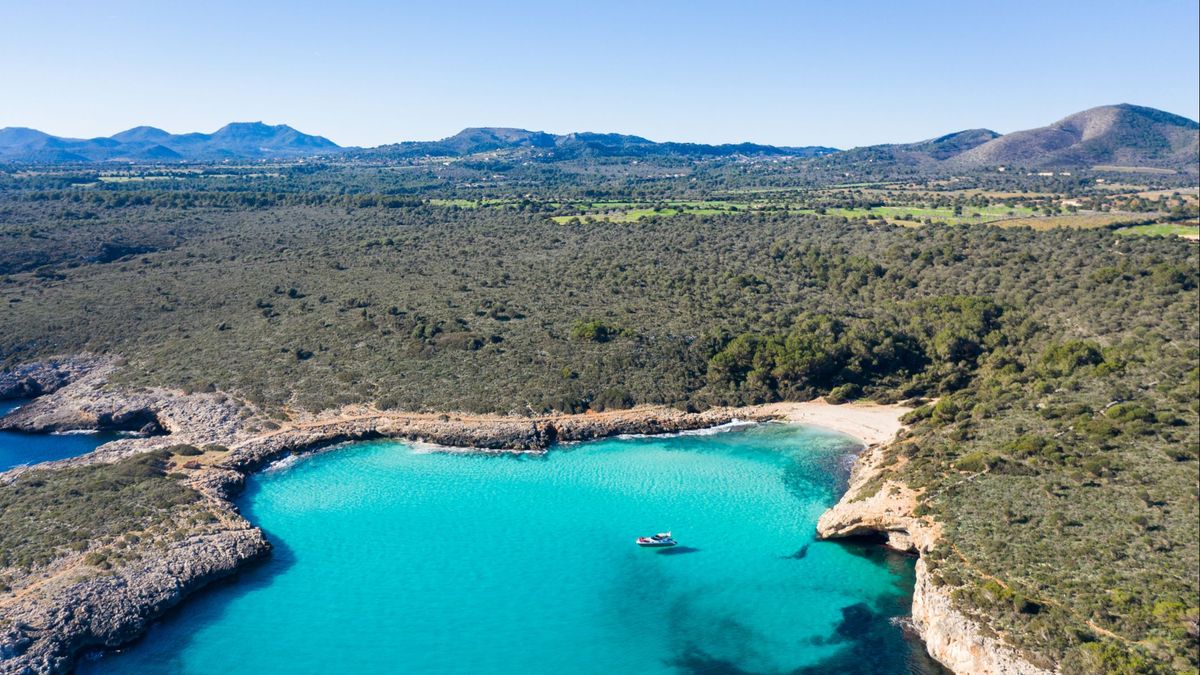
887 510
957 641
876 503
74 606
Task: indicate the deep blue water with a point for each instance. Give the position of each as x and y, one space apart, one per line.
17 449
392 559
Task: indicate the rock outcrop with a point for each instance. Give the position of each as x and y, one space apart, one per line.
82 400
44 377
47 626
476 433
877 504
957 641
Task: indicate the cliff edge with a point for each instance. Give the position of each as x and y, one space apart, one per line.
879 504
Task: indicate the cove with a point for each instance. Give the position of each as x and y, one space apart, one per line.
17 449
390 558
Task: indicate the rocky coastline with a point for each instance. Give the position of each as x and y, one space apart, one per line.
879 505
48 617
51 616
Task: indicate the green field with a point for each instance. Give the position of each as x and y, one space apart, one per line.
472 203
460 203
1188 231
133 179
627 211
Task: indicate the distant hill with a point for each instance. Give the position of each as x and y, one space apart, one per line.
1124 134
945 147
581 145
928 153
240 140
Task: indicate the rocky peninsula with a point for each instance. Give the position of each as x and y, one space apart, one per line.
50 614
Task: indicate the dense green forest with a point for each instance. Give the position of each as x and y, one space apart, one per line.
1061 451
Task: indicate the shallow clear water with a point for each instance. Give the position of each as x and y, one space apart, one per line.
17 449
390 559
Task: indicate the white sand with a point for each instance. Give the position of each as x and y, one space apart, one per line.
871 422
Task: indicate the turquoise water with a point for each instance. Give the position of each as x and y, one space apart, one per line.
17 449
390 559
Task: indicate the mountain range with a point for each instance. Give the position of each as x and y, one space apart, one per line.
1124 134
240 140
578 145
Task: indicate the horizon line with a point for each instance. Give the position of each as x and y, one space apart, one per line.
542 131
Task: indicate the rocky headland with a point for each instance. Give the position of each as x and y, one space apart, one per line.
879 504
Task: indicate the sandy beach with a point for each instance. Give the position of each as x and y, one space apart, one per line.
873 423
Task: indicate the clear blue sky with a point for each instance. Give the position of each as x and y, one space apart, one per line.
791 72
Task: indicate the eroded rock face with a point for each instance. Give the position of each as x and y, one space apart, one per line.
35 379
888 511
958 642
52 614
87 403
85 608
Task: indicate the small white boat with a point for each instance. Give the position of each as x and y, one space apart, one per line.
660 540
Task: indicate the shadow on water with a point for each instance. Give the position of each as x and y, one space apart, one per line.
899 564
800 554
874 637
678 550
870 647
